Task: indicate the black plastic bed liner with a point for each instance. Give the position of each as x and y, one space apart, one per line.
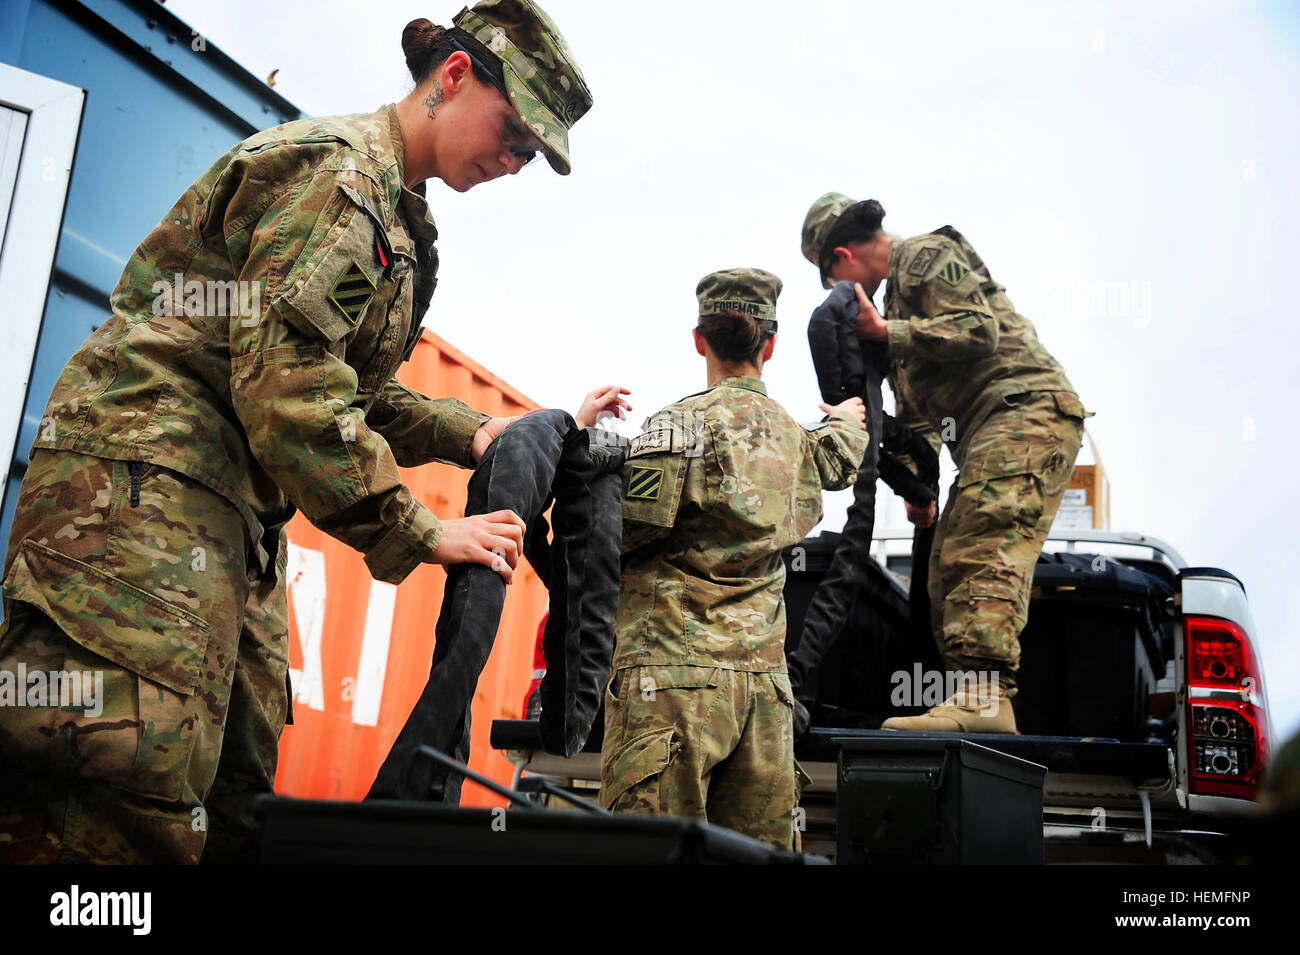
1060 754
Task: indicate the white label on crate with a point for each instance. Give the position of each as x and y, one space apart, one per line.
373 665
1075 497
306 583
1073 519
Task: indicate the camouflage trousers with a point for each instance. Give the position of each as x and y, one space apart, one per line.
702 742
135 579
1010 483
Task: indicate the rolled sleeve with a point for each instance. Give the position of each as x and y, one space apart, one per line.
838 447
420 430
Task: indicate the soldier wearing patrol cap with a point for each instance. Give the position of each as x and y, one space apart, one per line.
148 544
966 369
698 713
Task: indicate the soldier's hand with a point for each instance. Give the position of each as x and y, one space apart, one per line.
922 516
851 409
494 540
871 325
606 400
487 433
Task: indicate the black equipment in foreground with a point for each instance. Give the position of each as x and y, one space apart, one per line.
391 832
514 798
318 832
910 800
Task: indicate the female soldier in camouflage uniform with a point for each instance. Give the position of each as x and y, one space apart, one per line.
698 714
148 543
966 369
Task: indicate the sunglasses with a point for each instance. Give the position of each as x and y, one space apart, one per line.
514 134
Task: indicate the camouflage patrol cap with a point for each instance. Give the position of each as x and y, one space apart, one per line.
545 85
748 291
817 225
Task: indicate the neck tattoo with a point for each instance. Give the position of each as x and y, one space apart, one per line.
434 99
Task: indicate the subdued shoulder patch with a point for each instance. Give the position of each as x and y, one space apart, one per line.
352 292
333 289
674 430
923 259
654 441
652 489
644 484
953 273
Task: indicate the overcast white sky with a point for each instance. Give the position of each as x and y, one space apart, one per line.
1128 171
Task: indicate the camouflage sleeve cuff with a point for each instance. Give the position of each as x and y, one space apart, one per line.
844 415
406 546
900 338
419 429
454 436
856 439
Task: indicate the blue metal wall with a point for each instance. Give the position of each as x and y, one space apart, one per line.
157 113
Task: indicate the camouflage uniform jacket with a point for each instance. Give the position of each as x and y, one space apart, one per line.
957 346
254 335
714 488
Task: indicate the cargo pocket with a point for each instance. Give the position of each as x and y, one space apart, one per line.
140 658
980 616
801 781
989 588
993 603
1011 502
781 684
632 780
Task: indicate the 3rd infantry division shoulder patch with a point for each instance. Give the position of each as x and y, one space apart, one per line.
953 273
352 292
643 484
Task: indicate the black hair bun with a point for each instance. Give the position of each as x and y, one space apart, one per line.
418 40
870 213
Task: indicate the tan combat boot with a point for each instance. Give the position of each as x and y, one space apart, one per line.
982 709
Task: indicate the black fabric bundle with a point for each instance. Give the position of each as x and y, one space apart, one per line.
847 366
541 457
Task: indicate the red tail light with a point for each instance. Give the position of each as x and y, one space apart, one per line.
532 704
1227 728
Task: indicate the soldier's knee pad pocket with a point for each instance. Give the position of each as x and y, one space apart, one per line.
142 657
1000 503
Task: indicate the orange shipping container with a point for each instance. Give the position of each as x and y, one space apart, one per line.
359 649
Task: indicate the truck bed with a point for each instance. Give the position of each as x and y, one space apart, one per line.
1103 798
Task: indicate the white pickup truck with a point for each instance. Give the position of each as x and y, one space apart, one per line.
1141 691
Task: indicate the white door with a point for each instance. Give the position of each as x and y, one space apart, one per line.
39 122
